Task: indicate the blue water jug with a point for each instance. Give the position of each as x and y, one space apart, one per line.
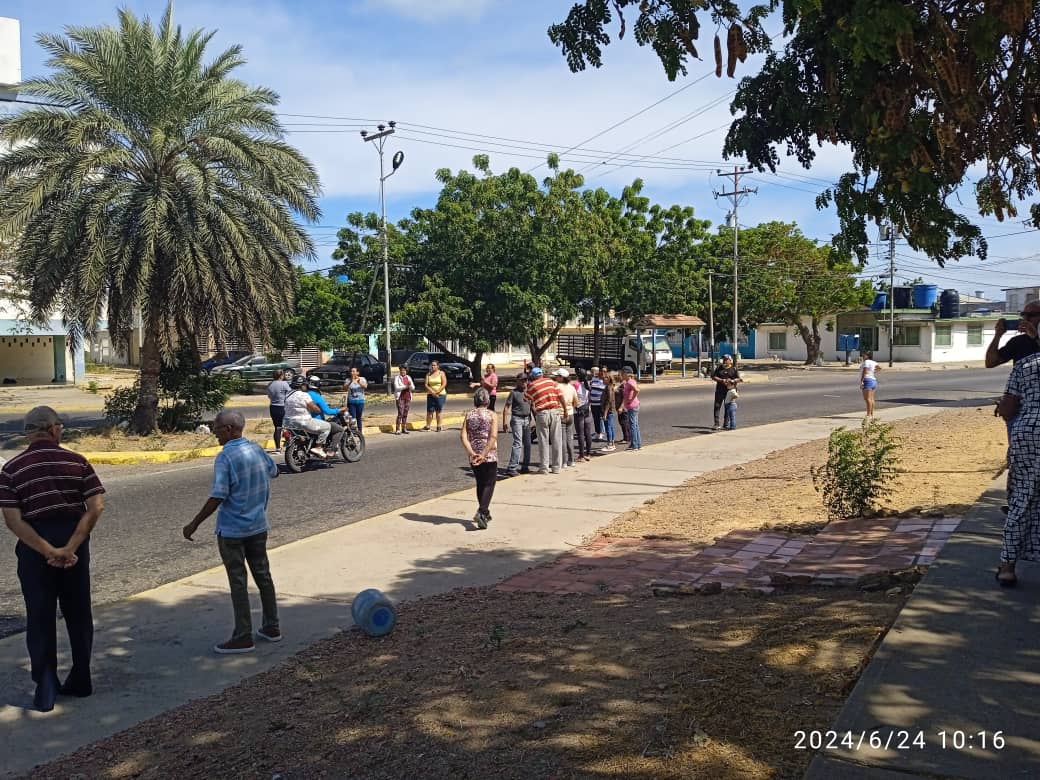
374 612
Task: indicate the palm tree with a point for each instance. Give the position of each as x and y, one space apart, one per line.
153 182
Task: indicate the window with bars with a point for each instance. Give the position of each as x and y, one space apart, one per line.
943 335
975 334
907 336
778 341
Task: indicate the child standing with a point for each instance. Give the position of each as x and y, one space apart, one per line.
730 406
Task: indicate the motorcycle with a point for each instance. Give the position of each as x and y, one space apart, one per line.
298 444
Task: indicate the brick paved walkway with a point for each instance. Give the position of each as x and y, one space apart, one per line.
843 553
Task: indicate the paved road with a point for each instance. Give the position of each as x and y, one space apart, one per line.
138 544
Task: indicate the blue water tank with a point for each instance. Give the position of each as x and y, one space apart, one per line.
374 612
925 295
880 302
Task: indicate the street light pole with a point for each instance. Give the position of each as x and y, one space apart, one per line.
383 132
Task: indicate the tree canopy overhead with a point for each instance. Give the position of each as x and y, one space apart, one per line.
928 96
162 185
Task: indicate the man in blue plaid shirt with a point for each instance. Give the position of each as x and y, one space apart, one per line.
242 475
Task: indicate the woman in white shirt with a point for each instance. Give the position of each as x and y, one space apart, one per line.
868 380
404 386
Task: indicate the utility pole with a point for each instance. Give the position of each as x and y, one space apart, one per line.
737 194
384 132
891 290
711 325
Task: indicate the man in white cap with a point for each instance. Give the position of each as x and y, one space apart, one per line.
51 500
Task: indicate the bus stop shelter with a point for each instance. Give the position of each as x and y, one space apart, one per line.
681 322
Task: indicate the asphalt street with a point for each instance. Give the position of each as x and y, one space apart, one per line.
138 543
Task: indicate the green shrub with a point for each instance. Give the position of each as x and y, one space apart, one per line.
120 403
860 467
185 394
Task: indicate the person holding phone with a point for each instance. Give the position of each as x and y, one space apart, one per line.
1020 346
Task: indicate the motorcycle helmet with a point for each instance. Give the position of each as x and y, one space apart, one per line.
297 382
314 382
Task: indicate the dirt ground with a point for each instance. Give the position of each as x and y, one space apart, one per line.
480 683
946 461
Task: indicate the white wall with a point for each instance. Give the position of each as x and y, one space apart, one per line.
30 359
959 350
10 52
795 344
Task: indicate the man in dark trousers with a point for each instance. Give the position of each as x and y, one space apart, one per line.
726 378
242 474
51 500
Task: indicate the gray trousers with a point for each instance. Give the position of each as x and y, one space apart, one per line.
550 439
237 554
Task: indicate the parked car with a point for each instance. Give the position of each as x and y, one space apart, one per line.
223 359
337 370
253 367
419 366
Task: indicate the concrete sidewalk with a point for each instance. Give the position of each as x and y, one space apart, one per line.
959 665
152 651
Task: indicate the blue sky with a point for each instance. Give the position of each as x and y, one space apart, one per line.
454 73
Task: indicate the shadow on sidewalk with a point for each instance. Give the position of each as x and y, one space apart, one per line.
963 658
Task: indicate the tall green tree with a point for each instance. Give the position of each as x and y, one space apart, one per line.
322 316
924 94
161 185
786 277
482 285
359 253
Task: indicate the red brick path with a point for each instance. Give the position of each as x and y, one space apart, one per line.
840 554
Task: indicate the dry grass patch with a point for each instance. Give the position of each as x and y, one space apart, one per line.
947 460
478 684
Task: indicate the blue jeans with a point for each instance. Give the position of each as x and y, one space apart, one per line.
608 426
520 427
731 416
355 408
635 440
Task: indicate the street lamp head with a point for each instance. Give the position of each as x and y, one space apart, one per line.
397 160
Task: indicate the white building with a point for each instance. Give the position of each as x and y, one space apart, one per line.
1017 297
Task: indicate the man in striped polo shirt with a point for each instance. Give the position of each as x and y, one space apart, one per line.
547 407
51 500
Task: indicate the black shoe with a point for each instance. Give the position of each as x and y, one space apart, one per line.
46 692
79 689
525 471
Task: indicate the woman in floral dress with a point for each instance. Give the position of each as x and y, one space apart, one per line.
480 440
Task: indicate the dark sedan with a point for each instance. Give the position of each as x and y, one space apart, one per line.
419 366
337 370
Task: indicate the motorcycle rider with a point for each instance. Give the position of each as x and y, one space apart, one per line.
299 411
314 391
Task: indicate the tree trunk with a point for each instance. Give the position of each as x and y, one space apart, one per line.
538 349
146 414
595 336
812 341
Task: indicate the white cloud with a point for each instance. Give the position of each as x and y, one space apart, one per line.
431 10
